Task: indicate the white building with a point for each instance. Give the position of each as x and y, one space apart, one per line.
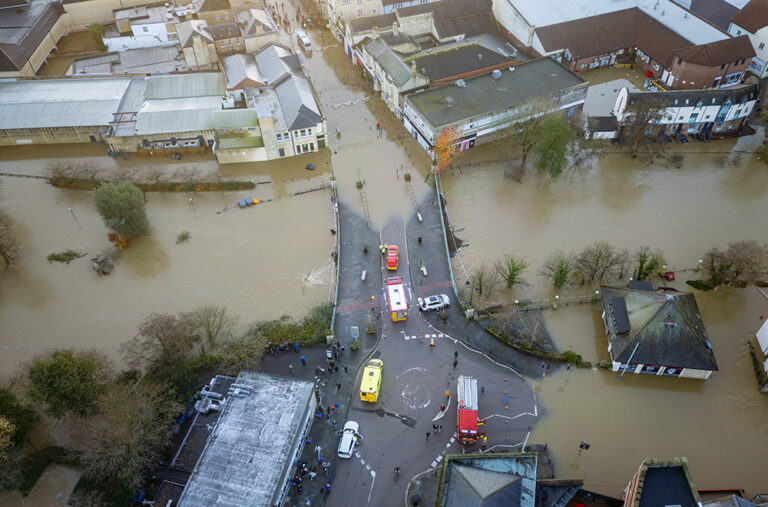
143 27
752 20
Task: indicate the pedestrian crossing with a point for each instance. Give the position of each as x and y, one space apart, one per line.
424 336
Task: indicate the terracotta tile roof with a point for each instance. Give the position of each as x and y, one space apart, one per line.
753 16
718 53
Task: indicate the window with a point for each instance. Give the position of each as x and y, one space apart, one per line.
309 132
305 148
699 103
279 137
218 18
738 32
722 66
223 44
303 132
693 117
359 13
144 28
737 113
686 101
743 60
281 152
298 149
311 146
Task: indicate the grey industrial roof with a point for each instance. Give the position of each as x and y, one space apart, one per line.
248 448
666 329
185 85
241 69
189 115
23 28
717 12
60 102
489 481
298 103
484 94
458 60
397 71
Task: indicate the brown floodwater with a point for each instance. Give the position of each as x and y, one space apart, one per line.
260 262
716 197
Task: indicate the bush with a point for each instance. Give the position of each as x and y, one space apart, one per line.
354 346
20 416
66 256
182 237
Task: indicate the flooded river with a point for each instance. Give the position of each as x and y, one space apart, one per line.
721 425
245 259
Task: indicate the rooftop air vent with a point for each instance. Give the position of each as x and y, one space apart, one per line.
496 74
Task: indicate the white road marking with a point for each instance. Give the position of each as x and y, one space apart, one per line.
371 490
439 458
433 464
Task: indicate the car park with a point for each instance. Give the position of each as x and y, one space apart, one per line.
435 302
350 438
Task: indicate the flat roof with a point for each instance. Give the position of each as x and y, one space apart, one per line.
485 94
248 448
60 102
396 296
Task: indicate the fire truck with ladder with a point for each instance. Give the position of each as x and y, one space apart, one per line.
467 411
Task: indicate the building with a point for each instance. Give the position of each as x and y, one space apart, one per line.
679 49
481 106
709 113
154 60
717 12
762 340
388 6
397 66
29 31
143 27
752 21
59 111
339 12
257 28
661 482
214 12
251 450
656 333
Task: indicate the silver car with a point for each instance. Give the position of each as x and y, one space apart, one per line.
350 439
434 302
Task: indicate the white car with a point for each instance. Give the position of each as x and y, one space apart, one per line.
350 439
434 302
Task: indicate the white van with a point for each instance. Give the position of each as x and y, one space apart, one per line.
304 41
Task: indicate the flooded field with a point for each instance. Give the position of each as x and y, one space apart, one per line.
244 259
715 198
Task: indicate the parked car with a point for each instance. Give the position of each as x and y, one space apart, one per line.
435 302
392 254
350 439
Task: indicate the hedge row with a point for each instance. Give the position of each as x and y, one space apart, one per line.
568 356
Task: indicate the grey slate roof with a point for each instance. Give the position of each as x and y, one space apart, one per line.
298 103
248 449
22 29
185 85
735 93
717 12
276 62
212 5
665 330
484 94
240 68
249 21
398 71
223 31
189 29
367 23
489 481
457 17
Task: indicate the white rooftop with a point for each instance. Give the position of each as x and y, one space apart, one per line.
540 13
248 449
60 102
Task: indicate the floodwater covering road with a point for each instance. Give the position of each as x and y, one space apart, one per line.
716 197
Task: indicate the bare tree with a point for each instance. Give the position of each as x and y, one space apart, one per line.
163 340
212 323
9 243
156 175
526 129
641 129
601 262
743 261
484 281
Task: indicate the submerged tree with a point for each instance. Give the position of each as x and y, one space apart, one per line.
601 262
511 269
164 340
641 126
121 206
742 262
9 245
553 144
648 263
558 270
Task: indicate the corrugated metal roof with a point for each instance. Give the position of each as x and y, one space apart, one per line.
189 115
185 85
60 103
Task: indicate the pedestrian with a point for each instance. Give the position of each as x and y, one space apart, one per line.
342 350
338 385
482 389
431 343
447 395
334 423
345 369
434 427
312 476
336 369
317 370
442 408
455 354
303 361
428 436
455 362
439 428
296 347
328 409
290 367
327 487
